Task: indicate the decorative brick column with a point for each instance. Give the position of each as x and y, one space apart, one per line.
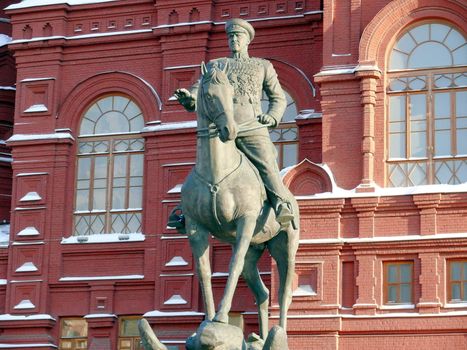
369 76
429 283
427 204
366 302
365 208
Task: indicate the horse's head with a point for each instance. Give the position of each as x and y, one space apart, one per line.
216 95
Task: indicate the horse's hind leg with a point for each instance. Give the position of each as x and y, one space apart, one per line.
283 249
255 283
199 243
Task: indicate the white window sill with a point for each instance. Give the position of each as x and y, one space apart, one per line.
105 238
455 305
398 307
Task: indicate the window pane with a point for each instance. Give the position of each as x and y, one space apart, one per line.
290 155
430 54
98 202
442 143
417 107
136 165
397 146
75 328
439 31
397 108
456 268
120 103
100 167
82 200
406 43
418 144
120 166
129 328
462 141
406 272
118 198
392 274
461 104
442 105
105 104
84 168
455 291
406 293
392 294
136 197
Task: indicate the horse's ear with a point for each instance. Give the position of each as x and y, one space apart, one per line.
204 69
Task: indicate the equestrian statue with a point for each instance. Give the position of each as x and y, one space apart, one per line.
235 192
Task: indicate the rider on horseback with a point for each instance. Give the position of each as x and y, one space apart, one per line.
249 77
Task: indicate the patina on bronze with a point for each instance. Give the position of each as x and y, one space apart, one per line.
235 192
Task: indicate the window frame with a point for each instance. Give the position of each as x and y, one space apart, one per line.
132 339
461 282
431 164
73 340
108 211
387 284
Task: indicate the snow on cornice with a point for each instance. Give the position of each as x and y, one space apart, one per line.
33 137
171 126
387 191
8 317
347 70
383 239
35 3
4 39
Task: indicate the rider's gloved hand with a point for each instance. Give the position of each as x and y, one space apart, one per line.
185 98
266 119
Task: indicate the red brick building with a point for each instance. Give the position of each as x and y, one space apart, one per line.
373 142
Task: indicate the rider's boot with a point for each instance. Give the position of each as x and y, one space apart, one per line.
284 214
176 218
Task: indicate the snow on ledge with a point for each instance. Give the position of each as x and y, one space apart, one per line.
34 3
27 345
31 196
36 109
4 39
28 231
24 304
398 307
8 317
2 283
175 299
304 290
33 137
176 189
105 238
101 278
157 313
100 315
383 239
177 261
27 267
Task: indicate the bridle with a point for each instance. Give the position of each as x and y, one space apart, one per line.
211 131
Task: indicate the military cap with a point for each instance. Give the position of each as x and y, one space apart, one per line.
240 25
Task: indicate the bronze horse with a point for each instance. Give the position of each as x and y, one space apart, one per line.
224 196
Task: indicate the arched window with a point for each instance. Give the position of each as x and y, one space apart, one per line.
427 107
285 136
109 179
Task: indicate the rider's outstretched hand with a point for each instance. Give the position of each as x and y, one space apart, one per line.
266 119
185 98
